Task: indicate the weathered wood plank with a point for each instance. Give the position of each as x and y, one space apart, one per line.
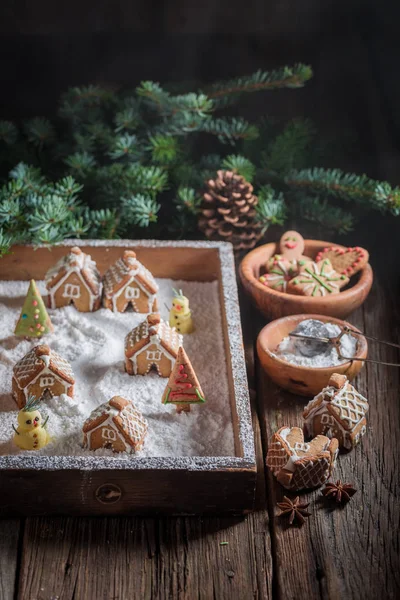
9 541
146 558
152 558
350 552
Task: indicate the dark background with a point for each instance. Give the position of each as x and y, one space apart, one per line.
352 45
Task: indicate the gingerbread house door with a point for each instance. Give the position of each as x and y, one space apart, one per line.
131 297
73 291
47 386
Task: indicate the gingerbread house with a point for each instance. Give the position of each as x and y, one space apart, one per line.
74 279
116 425
337 411
298 465
128 284
151 345
41 373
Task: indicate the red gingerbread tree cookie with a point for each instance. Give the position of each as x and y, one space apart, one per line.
34 320
183 387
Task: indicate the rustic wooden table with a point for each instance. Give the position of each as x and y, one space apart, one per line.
341 553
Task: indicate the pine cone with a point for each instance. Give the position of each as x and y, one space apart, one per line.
228 211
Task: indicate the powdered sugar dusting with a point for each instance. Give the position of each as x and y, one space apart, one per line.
94 345
328 357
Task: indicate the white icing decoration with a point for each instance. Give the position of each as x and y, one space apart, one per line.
74 263
133 423
122 268
352 406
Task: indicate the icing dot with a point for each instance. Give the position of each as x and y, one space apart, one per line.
42 328
36 316
38 325
35 303
39 333
24 316
37 310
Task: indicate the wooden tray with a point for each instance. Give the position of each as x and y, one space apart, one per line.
110 486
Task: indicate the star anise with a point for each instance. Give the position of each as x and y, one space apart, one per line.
341 492
295 509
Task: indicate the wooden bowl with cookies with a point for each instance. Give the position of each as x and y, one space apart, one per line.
297 276
304 379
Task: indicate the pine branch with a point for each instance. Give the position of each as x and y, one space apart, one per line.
6 241
40 132
332 218
8 133
80 163
140 210
230 129
104 223
271 208
125 145
288 150
164 149
287 77
127 120
241 165
348 187
188 200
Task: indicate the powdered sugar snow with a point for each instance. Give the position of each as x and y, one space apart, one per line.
94 345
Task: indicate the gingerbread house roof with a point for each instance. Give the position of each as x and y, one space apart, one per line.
126 269
153 329
297 463
79 262
128 419
39 358
341 400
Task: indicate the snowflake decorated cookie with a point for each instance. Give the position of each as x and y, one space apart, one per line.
317 279
280 272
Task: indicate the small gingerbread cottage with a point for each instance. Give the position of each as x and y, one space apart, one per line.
337 411
41 373
152 345
298 465
129 284
74 279
116 425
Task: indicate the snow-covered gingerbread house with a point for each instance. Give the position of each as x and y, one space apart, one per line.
337 411
116 425
151 345
129 284
41 373
74 279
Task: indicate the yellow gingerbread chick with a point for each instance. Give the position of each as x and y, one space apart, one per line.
180 315
31 433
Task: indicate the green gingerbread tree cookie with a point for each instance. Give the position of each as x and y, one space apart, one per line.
34 320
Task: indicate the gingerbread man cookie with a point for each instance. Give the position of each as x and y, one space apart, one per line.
347 261
317 279
292 245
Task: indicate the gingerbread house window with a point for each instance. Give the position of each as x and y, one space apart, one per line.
327 420
301 446
46 381
131 293
153 355
71 291
109 434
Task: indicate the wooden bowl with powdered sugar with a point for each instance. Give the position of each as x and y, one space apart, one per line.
274 304
298 379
